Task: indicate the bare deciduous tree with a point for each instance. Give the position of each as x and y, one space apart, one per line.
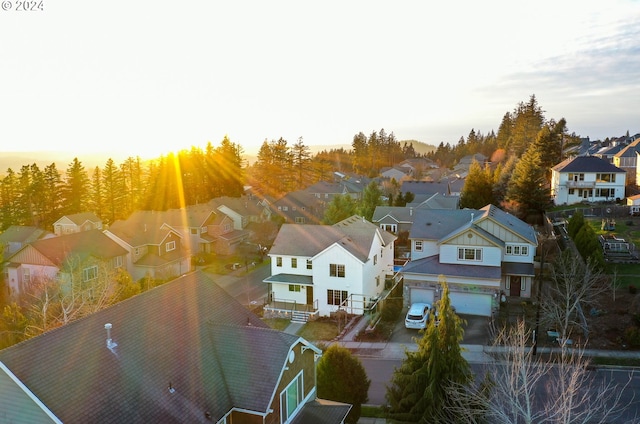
575 286
520 387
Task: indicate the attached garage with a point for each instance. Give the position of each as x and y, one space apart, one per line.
421 295
471 303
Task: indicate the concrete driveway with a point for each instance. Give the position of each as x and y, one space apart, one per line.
476 330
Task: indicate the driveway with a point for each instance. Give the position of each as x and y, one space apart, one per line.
476 330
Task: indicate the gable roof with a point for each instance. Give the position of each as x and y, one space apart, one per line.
438 224
81 245
354 234
22 234
629 150
142 228
425 187
81 218
188 335
586 164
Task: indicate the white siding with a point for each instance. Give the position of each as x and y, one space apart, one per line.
429 248
352 282
491 256
286 265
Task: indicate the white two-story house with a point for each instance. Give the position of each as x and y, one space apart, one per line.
586 178
481 254
318 269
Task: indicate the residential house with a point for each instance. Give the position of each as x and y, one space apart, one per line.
300 207
155 249
16 237
242 210
627 160
193 223
77 222
397 219
318 269
481 254
428 188
185 351
326 191
87 254
586 178
397 172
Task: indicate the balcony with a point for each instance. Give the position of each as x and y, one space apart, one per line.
581 184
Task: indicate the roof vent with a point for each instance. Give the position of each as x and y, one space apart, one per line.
110 343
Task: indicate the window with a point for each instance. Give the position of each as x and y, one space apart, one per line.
90 273
336 297
26 275
418 245
375 259
294 287
517 250
300 220
309 264
291 398
279 261
392 228
336 270
467 254
293 208
117 262
170 246
607 178
294 262
194 231
605 192
285 208
572 191
576 177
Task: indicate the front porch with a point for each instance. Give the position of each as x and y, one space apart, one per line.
291 309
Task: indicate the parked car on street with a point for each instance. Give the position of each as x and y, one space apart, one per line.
417 316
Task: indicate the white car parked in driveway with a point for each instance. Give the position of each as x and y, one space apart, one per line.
417 316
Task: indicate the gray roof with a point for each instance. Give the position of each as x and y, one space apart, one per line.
586 164
431 266
354 234
188 334
82 217
518 268
437 224
322 411
17 403
425 187
290 279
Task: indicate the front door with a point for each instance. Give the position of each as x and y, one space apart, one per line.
515 283
309 295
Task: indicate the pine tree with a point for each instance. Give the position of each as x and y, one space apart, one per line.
76 188
528 190
419 390
371 198
342 206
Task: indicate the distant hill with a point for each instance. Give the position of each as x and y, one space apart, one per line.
16 160
420 147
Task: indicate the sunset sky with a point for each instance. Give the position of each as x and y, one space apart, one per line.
147 77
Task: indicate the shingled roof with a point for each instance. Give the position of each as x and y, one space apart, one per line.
185 351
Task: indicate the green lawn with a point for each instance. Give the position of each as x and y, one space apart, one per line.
277 323
320 330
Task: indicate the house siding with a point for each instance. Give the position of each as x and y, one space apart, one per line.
491 256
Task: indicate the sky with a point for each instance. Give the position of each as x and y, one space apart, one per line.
149 77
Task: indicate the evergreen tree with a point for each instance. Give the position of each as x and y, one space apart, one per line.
76 188
528 120
528 190
477 191
502 178
420 388
342 206
112 192
96 200
9 200
371 198
576 222
52 195
301 161
342 378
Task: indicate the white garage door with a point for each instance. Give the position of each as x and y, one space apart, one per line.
471 303
422 296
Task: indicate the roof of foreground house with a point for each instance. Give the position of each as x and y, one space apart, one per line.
185 351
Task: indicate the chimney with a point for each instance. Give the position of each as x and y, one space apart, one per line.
110 343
